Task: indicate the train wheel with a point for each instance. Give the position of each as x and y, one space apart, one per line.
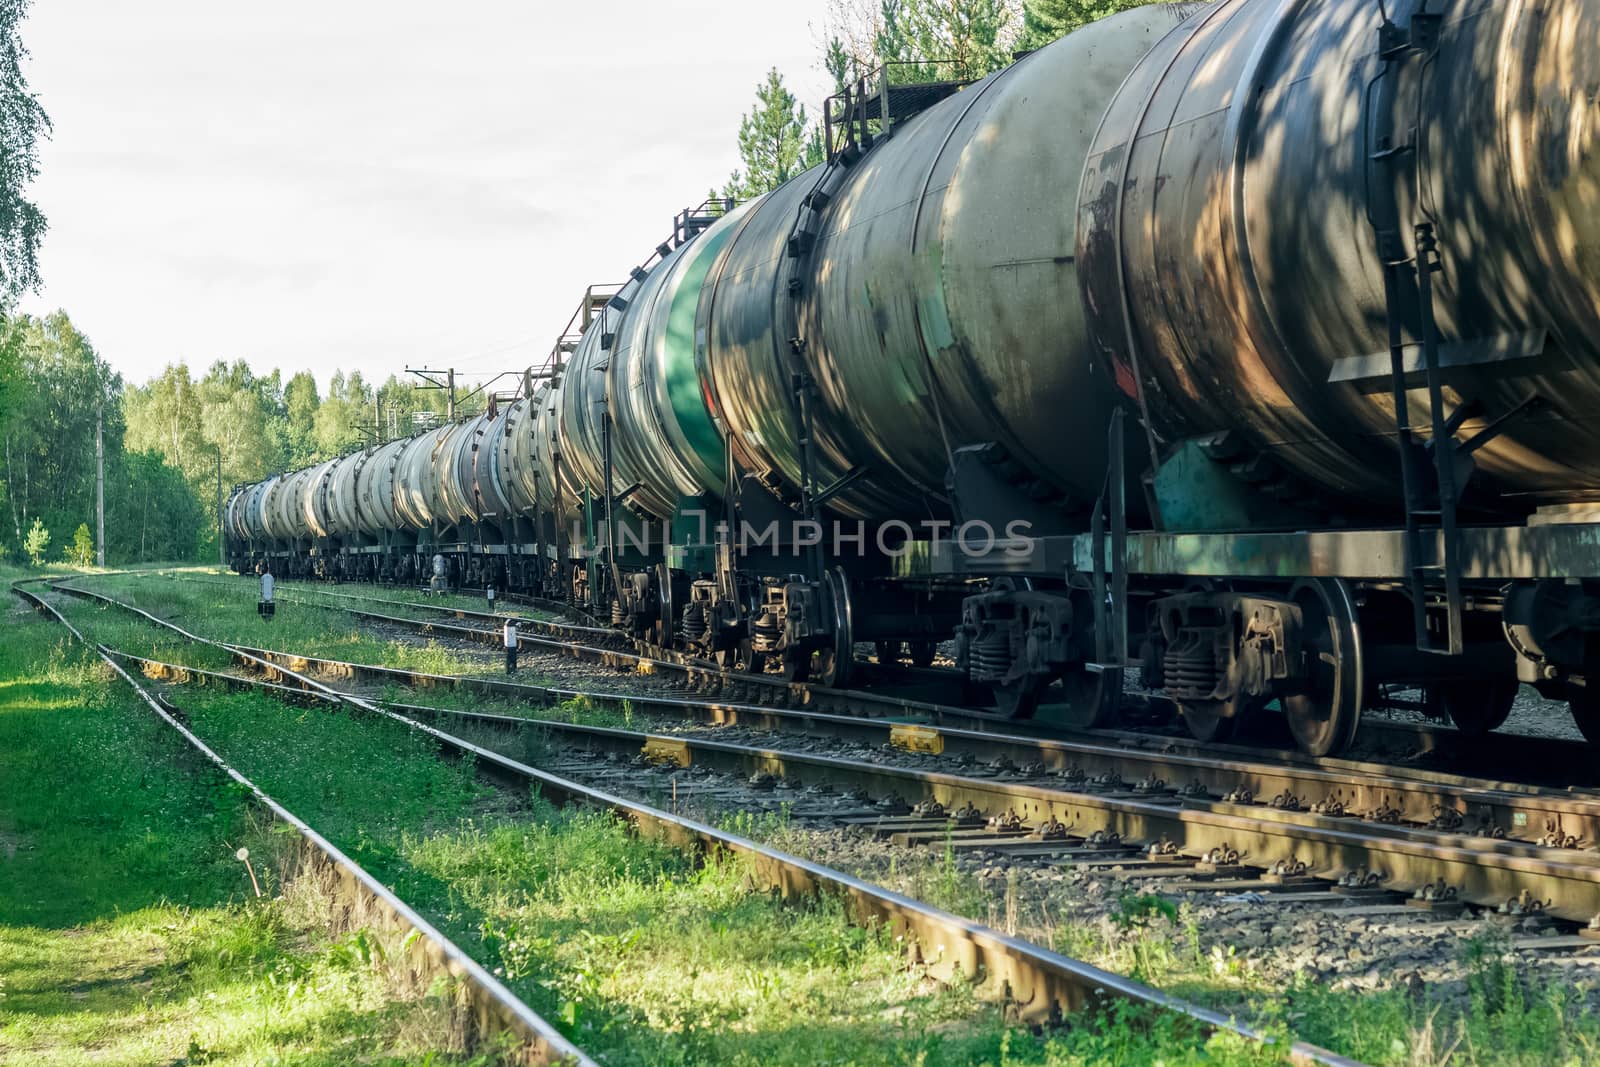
922 652
888 652
1325 709
1209 720
667 616
1093 697
1478 705
1020 699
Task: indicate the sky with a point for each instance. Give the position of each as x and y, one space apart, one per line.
369 186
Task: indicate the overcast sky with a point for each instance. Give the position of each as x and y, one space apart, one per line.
367 185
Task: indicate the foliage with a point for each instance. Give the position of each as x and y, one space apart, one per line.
926 40
36 542
944 40
232 426
773 141
300 404
1044 21
151 513
1140 909
22 123
81 551
55 388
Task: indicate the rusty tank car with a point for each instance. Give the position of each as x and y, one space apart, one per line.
1251 345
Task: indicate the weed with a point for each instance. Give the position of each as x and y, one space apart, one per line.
1139 910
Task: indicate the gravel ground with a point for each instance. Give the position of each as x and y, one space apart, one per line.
1531 715
1083 912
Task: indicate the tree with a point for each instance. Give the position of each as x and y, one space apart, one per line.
81 551
230 419
48 449
157 515
36 542
12 394
343 419
1044 21
772 141
300 402
849 39
22 122
944 40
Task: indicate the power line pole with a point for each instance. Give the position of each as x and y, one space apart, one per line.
100 480
222 548
448 385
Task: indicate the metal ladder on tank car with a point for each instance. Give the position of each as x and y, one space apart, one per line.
1433 484
863 113
1431 490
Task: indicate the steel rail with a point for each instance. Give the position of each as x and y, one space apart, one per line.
700 671
1572 756
495 1009
1484 871
1411 795
1420 798
1038 986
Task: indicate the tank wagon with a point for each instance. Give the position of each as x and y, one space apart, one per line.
1251 345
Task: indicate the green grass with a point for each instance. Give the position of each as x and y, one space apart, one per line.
1504 1016
229 615
399 597
642 954
129 932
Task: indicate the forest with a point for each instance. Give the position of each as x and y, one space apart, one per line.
172 447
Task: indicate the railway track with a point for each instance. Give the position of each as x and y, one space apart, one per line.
1040 986
1500 845
1149 717
493 1008
616 650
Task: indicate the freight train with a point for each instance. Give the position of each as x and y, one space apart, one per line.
1250 345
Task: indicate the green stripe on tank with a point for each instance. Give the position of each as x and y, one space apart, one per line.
677 364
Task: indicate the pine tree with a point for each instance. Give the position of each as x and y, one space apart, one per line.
944 40
81 551
772 141
1044 21
36 542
